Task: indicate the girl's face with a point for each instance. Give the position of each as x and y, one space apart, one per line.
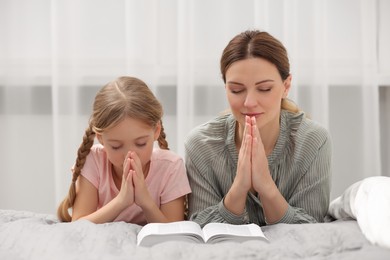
254 88
129 135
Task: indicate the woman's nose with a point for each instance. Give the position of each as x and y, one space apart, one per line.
250 100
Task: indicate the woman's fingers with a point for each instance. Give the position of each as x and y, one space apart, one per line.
243 177
259 159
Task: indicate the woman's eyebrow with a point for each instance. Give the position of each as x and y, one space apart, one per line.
257 83
236 83
264 81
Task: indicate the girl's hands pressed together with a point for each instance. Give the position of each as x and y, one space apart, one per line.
126 193
141 193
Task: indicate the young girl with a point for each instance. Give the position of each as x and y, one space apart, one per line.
124 178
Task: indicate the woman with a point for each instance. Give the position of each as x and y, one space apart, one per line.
265 162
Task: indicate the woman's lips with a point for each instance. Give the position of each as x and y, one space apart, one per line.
252 114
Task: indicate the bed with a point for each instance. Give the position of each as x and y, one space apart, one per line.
349 234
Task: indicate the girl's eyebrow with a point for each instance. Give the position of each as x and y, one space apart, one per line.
141 137
113 140
119 141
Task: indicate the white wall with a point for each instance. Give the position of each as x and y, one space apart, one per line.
53 58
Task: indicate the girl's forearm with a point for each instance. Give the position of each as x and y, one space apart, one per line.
107 213
152 212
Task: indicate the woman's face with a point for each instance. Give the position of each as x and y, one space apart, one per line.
129 135
254 88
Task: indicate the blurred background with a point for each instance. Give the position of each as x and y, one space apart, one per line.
55 55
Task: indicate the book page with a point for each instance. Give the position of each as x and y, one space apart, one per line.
162 231
224 232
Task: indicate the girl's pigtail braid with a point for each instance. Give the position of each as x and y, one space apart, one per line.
162 142
83 151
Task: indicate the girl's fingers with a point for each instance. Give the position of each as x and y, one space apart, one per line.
126 168
135 157
136 163
130 177
136 168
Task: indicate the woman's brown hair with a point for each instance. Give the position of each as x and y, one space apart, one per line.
121 98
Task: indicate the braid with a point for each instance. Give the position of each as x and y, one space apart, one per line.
162 142
186 210
83 151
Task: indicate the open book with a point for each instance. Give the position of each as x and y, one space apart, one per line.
189 231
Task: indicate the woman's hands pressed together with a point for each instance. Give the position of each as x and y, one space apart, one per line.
253 176
243 177
259 163
252 167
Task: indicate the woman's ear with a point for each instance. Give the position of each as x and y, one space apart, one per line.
157 131
287 86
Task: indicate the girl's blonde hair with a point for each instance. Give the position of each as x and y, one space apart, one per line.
121 98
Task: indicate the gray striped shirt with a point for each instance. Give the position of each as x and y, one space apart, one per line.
300 165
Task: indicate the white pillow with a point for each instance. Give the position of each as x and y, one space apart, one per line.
367 201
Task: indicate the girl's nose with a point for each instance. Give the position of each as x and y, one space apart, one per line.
125 155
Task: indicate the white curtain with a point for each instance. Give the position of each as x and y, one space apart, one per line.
55 55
